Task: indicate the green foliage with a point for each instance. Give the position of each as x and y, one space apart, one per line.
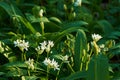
59 40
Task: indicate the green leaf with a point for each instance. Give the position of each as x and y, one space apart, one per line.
80 45
16 72
15 64
10 9
76 75
98 68
105 26
73 24
27 24
2 73
6 7
55 19
63 33
33 19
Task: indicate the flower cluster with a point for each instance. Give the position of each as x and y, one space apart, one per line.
100 47
103 48
46 45
51 64
96 37
30 64
21 44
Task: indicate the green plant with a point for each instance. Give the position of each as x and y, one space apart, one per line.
59 40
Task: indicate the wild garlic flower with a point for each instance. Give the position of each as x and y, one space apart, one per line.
65 58
21 44
103 48
41 12
51 63
78 3
30 64
49 46
54 65
46 45
96 37
39 50
47 62
43 45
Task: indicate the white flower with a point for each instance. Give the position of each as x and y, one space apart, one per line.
103 48
55 65
65 58
30 64
41 12
21 44
47 62
39 50
96 37
50 43
78 3
51 64
49 46
45 46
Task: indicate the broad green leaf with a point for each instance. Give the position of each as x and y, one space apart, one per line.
6 7
27 24
15 64
2 73
1 78
63 33
11 9
73 24
33 19
16 72
55 19
77 75
98 68
80 45
105 26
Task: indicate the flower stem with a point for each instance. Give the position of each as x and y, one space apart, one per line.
59 71
71 68
48 72
42 26
28 72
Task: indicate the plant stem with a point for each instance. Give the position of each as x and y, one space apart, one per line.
22 57
59 71
37 57
42 27
71 68
47 72
28 72
81 65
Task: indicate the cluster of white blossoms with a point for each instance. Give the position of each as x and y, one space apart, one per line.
21 44
96 37
101 47
30 64
78 3
46 45
51 64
